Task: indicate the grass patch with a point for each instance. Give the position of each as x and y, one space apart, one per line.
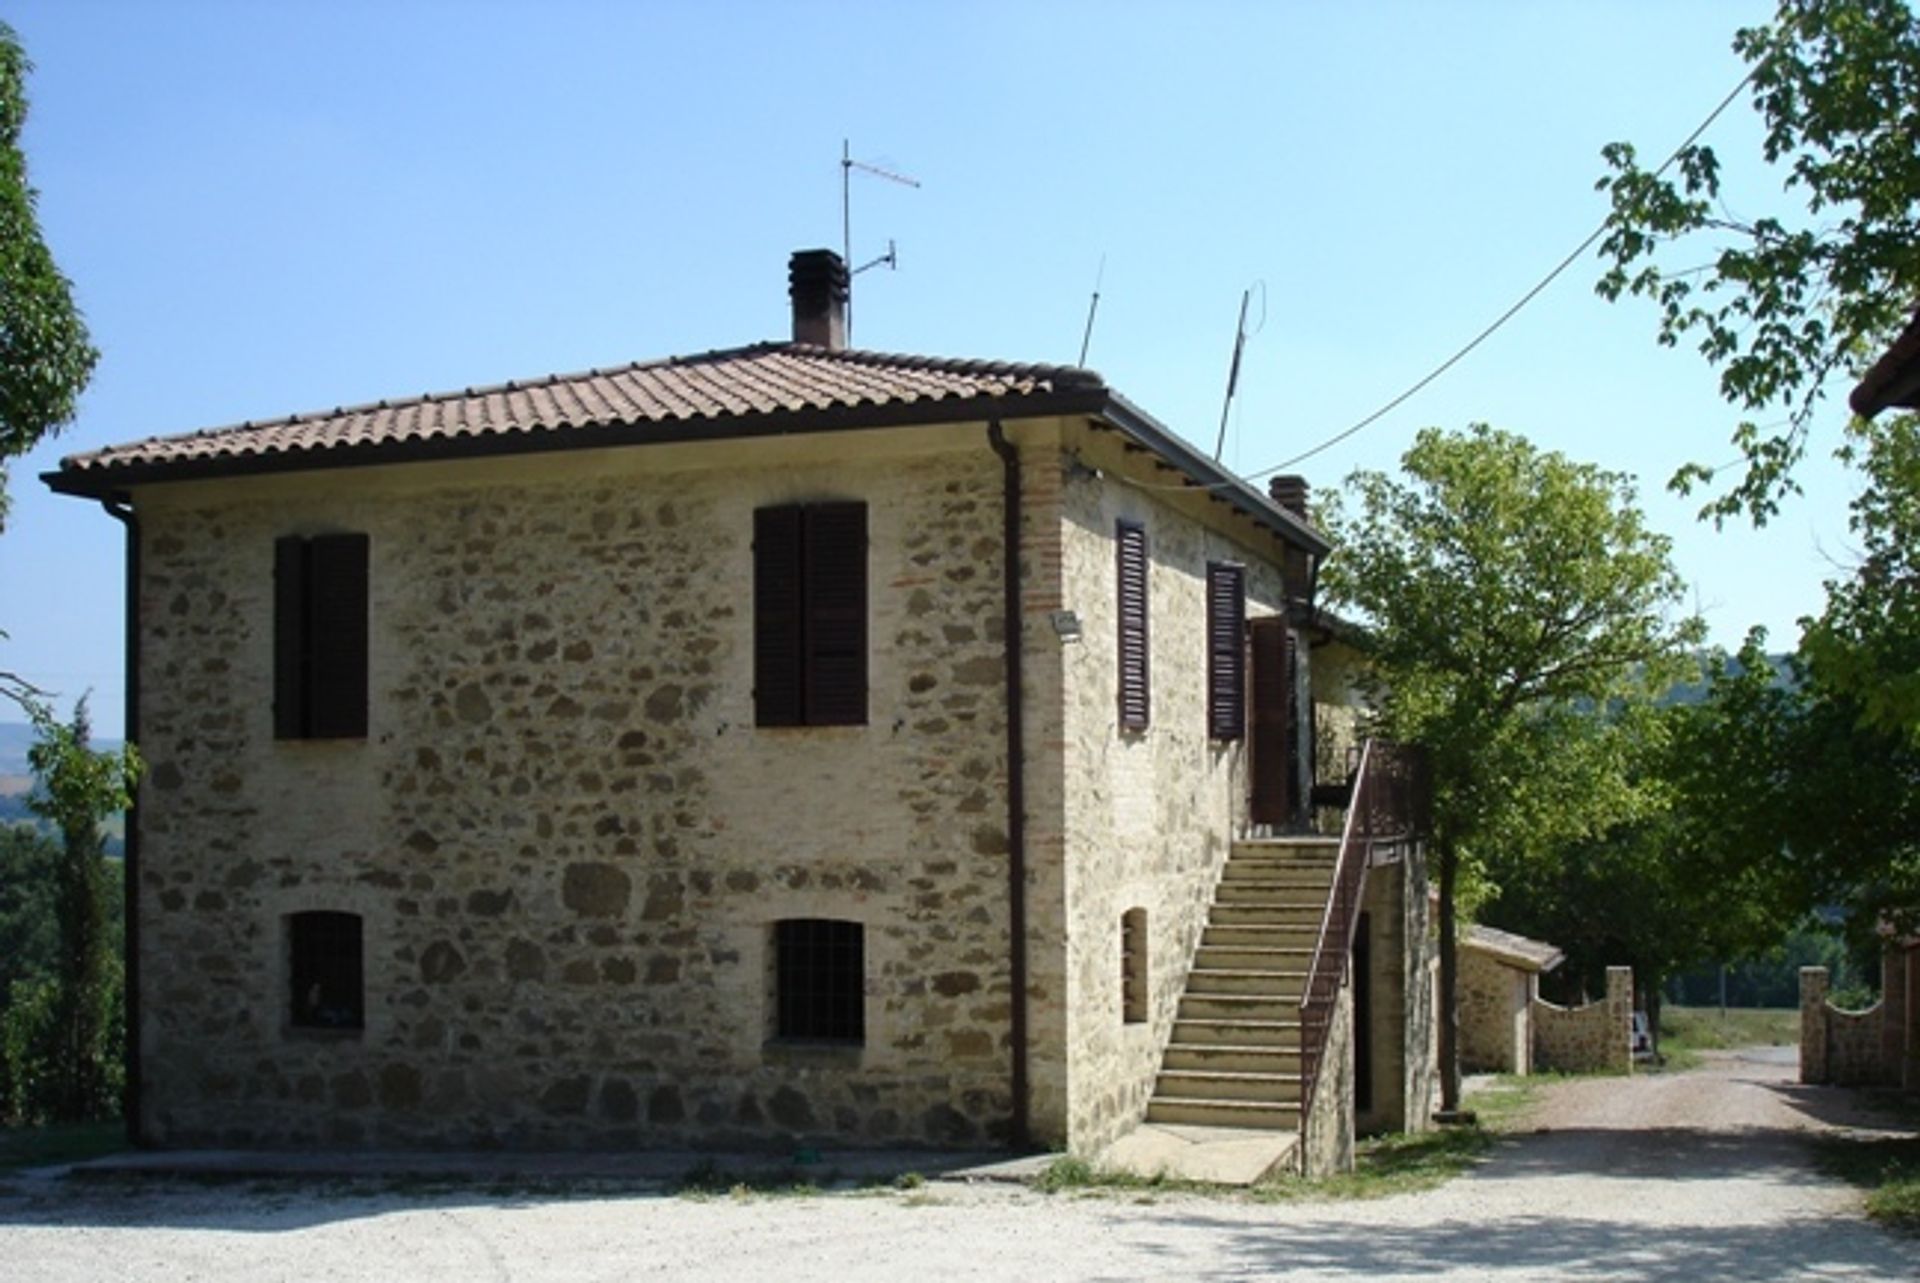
1888 1169
59 1143
1686 1031
708 1180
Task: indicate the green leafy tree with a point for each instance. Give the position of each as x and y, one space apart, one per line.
1509 591
1865 645
45 356
1781 299
1691 874
62 1036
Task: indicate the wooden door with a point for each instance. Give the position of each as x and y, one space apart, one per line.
1273 750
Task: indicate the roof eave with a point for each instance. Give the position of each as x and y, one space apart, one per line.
103 482
1149 432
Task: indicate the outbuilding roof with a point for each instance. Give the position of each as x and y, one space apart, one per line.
765 389
1513 950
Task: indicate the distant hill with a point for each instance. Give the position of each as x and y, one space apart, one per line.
1696 692
15 739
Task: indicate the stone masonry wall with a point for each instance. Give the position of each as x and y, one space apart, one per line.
1400 963
1326 1142
1596 1036
567 840
1149 815
1839 1046
1495 1014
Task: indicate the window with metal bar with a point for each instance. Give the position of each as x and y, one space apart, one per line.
820 980
324 966
1133 966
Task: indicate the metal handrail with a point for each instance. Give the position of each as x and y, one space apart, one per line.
1387 808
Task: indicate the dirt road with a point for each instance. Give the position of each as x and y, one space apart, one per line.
1690 1178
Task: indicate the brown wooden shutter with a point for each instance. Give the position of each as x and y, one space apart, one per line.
290 638
1226 650
1130 540
835 575
777 624
337 630
1272 755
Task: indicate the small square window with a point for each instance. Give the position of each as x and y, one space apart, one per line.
323 963
820 980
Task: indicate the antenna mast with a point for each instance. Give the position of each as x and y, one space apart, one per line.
1086 336
891 258
1239 346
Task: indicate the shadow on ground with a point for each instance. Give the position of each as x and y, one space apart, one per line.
1550 1247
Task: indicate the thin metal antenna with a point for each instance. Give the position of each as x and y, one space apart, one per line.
1233 372
1086 336
847 165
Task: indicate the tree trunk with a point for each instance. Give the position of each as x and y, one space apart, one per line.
1449 1008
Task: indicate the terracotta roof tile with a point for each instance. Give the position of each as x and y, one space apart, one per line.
764 380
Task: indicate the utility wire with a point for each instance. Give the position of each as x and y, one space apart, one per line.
1498 321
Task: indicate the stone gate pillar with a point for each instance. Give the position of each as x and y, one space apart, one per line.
1813 1024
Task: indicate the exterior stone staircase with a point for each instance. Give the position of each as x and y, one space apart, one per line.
1234 1056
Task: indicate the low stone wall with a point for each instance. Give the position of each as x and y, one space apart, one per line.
1326 1142
1844 1048
1597 1037
1493 1004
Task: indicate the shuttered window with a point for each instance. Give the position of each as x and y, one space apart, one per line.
320 637
1226 650
1130 540
810 615
1274 749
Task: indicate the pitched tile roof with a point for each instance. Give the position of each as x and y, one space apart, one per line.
686 393
763 390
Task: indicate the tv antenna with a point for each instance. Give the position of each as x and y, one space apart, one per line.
1240 337
891 258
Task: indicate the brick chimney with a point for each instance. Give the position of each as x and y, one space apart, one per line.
1290 492
817 280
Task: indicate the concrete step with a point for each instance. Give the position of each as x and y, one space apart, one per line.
1306 844
1233 1006
1299 930
1238 1031
1290 889
1304 911
1255 866
1218 1058
1224 1113
1250 983
1296 956
1206 1084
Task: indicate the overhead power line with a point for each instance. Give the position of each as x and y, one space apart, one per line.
1499 321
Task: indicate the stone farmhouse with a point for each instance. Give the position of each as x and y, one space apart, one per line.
790 743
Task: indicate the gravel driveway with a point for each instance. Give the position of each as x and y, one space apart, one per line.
1696 1177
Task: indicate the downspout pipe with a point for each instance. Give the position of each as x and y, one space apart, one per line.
1021 1130
121 509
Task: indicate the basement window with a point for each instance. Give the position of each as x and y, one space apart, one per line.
324 966
820 980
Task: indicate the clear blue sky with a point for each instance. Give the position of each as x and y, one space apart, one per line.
277 208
